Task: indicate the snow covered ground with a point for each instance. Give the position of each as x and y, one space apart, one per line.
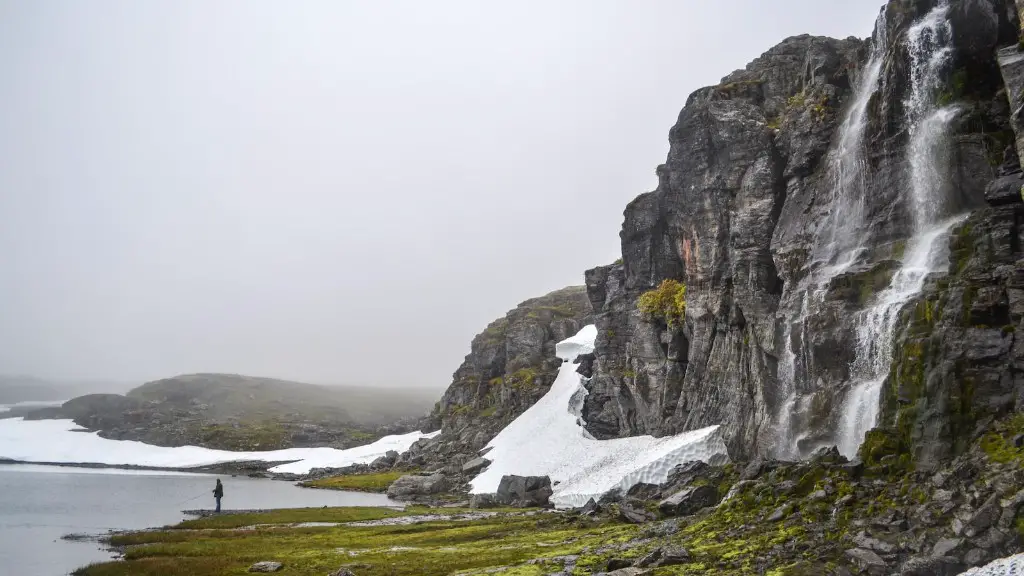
30 404
55 441
549 440
1012 566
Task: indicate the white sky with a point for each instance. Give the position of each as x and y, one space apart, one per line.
334 192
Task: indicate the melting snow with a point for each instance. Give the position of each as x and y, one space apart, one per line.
1012 566
549 440
56 441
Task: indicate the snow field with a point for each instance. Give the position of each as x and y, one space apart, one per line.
1011 566
550 440
57 441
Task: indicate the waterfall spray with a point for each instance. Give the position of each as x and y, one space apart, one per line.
928 160
840 238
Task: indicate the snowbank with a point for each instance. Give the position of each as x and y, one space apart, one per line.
56 441
549 440
1012 566
30 404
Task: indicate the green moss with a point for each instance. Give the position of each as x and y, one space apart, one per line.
523 379
500 545
878 443
488 412
666 303
629 374
998 443
372 482
250 435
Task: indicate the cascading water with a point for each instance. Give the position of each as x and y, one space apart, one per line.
838 243
927 158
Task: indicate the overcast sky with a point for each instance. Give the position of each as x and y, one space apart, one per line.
336 191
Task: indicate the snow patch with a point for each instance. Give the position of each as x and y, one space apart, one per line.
1011 566
57 441
549 440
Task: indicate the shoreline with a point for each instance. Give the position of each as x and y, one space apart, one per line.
250 468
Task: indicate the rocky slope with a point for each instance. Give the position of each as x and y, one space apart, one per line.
511 364
232 412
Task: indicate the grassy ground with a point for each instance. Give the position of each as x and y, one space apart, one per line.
371 482
219 546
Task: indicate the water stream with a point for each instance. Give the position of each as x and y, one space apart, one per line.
838 243
928 159
841 242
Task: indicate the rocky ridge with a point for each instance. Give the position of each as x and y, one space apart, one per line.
511 364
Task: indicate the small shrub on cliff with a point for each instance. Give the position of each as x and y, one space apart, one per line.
666 303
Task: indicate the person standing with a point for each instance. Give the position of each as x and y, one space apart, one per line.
218 493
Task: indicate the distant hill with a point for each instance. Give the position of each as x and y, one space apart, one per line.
236 396
15 389
235 412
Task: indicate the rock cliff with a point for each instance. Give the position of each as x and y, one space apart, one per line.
803 204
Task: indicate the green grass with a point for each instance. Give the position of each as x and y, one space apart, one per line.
371 482
430 548
294 515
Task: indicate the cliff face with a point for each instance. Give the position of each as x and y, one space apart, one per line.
805 202
511 364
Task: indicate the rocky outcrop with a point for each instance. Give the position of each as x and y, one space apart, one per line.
510 366
737 152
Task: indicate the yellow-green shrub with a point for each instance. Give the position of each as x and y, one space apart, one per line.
667 303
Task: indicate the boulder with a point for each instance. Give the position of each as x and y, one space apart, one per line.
689 500
867 560
411 486
266 566
934 566
475 465
634 513
342 572
482 501
1005 190
524 491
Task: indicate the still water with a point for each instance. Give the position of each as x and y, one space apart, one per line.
39 504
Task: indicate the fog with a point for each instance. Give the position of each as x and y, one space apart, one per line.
332 192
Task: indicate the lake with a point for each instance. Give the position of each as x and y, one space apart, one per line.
39 504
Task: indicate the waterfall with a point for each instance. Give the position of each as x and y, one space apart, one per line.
928 160
840 238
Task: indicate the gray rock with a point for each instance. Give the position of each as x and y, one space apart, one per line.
343 572
975 557
524 491
986 516
590 508
482 501
866 559
475 465
634 513
947 546
932 566
779 513
673 555
411 486
864 541
689 500
266 566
